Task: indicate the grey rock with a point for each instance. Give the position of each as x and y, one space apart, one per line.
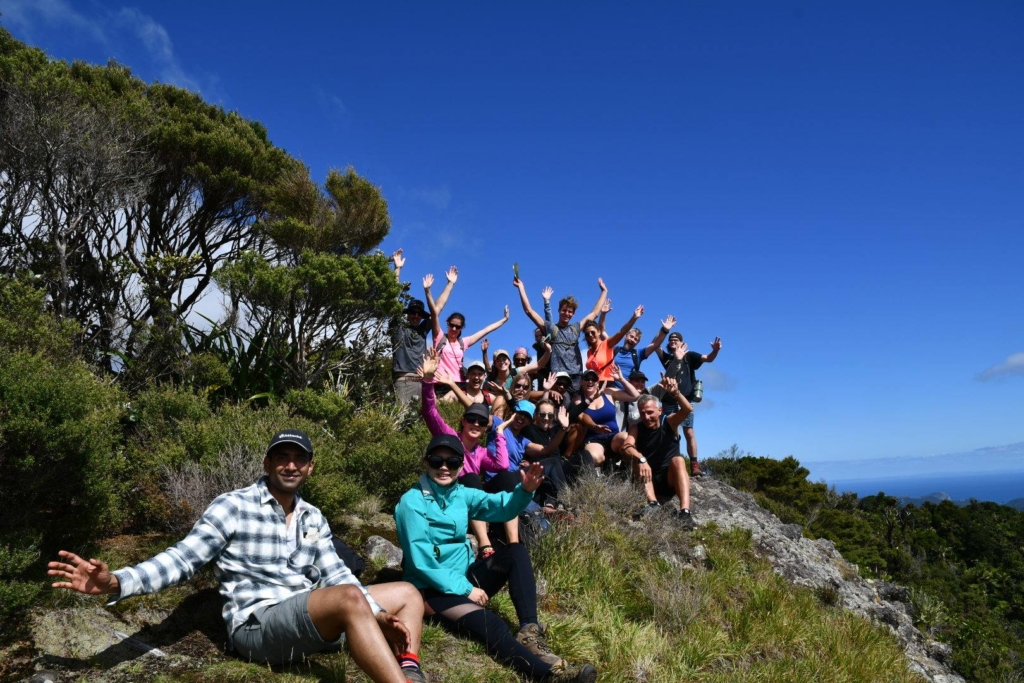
816 564
382 551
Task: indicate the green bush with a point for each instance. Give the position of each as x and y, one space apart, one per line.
16 596
61 456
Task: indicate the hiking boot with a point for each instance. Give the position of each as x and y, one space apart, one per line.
414 675
695 469
573 674
647 510
531 636
685 519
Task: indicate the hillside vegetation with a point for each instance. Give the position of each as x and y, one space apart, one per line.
963 564
121 204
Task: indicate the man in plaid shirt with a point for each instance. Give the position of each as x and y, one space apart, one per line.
288 593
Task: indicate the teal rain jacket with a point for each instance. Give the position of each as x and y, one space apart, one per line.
432 522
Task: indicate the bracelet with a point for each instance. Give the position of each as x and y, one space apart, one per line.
664 329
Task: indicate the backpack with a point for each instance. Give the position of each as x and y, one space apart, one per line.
462 345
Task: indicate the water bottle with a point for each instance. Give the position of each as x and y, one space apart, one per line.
698 391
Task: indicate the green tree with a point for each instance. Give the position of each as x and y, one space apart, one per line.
323 299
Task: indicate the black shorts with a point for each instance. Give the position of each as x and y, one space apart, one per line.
662 486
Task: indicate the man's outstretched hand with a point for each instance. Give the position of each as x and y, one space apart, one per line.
91 577
395 632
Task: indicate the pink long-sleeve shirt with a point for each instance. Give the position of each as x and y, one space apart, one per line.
479 459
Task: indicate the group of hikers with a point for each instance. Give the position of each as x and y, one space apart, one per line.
529 428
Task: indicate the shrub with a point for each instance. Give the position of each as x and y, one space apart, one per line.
61 455
16 596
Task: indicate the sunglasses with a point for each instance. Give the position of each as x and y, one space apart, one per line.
521 386
455 326
453 463
519 360
545 416
475 420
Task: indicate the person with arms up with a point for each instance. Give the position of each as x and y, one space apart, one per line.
437 559
451 345
409 340
287 594
681 364
565 334
652 446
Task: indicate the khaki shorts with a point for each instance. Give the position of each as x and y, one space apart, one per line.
280 633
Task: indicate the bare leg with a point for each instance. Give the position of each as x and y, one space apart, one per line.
344 609
596 451
679 480
405 602
691 443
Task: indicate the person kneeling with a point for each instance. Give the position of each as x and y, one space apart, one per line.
653 446
432 520
287 592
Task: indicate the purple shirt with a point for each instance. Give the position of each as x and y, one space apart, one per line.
479 459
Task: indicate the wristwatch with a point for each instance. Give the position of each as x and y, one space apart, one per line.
642 460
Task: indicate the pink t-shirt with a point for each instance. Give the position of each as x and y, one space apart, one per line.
450 357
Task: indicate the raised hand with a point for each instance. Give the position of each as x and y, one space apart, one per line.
484 345
452 274
91 577
428 281
563 417
517 283
669 384
506 313
532 477
617 372
495 388
546 293
442 377
717 344
398 259
668 322
600 283
638 312
429 367
549 382
607 307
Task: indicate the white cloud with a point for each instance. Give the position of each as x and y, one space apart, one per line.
1014 365
716 379
437 197
107 28
332 104
157 43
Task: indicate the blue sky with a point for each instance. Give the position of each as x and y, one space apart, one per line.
836 189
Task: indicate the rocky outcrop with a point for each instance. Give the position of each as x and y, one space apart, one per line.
817 564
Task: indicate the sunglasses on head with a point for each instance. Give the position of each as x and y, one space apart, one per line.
453 462
475 420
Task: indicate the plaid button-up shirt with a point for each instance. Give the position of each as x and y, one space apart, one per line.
244 532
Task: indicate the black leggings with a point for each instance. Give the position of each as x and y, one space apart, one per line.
460 615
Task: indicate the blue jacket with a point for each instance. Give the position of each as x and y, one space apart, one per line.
432 521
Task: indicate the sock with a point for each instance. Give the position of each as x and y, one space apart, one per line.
686 511
408 660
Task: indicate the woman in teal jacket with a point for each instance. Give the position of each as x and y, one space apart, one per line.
432 520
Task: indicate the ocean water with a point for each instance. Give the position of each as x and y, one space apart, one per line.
998 487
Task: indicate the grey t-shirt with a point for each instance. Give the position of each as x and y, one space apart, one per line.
410 345
565 345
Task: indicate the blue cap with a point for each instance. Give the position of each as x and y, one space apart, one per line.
525 406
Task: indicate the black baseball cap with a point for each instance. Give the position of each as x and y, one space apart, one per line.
449 441
416 306
294 436
478 409
592 373
637 375
675 335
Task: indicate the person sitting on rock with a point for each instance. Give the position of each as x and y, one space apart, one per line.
287 594
431 523
653 447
